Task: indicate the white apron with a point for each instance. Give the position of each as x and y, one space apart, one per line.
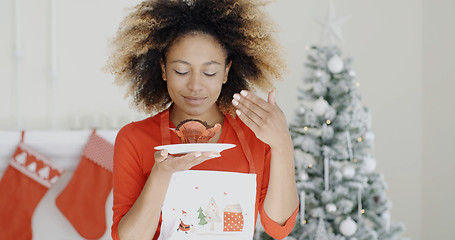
209 205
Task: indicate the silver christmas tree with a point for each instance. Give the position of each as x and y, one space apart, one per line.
342 197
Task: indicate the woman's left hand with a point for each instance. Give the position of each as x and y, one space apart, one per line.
265 119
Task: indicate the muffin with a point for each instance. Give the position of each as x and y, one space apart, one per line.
195 131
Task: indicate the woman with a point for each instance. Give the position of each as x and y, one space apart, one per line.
198 60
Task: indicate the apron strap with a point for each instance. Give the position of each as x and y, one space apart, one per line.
164 127
246 148
22 136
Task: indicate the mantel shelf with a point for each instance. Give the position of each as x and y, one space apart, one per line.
63 147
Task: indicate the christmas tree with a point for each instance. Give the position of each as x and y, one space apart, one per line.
212 214
334 159
201 217
341 196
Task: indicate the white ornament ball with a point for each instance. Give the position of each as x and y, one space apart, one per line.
348 227
335 64
369 136
304 176
318 73
352 73
331 208
320 106
369 164
301 110
348 172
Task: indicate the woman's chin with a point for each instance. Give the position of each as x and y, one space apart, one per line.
194 111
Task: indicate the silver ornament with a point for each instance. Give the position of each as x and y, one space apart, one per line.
369 164
331 208
304 176
348 172
320 106
348 227
335 64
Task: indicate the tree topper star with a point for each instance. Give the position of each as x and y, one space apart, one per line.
332 25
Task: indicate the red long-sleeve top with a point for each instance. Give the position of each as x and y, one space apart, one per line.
134 158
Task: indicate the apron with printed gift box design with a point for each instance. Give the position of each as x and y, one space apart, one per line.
209 204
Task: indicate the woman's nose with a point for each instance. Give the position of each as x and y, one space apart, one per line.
194 82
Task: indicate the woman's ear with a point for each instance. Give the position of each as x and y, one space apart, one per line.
163 69
226 72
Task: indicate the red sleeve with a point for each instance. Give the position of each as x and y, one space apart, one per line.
274 229
128 177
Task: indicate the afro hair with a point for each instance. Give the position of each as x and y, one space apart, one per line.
246 33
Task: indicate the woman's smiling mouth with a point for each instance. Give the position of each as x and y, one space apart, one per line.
194 100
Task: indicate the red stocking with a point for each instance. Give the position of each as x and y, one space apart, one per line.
28 177
83 201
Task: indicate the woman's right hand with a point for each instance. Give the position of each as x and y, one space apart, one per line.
166 163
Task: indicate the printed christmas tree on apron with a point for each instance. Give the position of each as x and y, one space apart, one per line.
201 217
212 214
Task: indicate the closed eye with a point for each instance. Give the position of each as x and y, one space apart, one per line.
210 74
181 73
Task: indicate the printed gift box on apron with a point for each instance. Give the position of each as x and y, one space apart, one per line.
209 204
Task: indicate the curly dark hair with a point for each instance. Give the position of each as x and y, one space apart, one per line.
243 30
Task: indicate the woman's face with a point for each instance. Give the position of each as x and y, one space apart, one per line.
195 71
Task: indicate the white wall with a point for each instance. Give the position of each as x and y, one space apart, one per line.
403 77
439 112
85 95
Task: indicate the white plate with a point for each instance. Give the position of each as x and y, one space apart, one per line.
195 147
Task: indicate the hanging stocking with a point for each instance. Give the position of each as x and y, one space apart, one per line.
28 177
83 200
